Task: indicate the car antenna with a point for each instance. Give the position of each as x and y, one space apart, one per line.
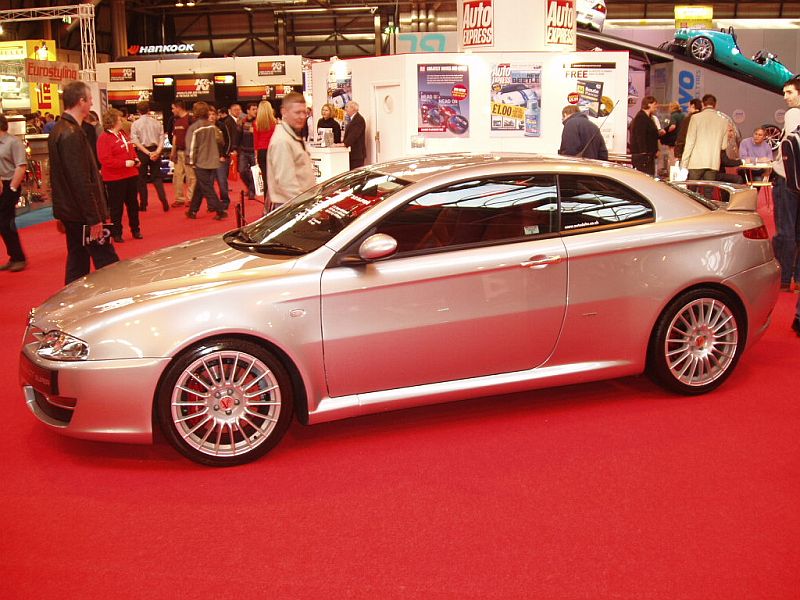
594 135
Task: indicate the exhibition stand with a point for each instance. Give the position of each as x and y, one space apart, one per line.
329 161
504 90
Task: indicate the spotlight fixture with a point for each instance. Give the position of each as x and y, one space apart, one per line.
190 3
179 3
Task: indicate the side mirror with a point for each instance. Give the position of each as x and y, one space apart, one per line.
377 246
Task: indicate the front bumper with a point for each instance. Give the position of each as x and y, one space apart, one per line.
109 400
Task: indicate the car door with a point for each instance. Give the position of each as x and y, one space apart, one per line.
477 287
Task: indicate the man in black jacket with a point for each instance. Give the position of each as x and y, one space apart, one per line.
355 135
78 195
644 137
580 136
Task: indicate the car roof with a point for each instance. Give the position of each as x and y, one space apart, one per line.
417 169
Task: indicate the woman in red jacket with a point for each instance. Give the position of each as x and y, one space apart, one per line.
263 128
120 169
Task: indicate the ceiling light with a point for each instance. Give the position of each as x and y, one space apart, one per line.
179 3
190 3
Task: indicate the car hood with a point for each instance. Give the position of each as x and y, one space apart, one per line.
163 274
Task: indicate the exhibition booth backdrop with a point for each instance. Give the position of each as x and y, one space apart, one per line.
510 102
220 80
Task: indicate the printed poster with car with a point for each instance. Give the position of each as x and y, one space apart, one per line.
516 94
443 92
592 87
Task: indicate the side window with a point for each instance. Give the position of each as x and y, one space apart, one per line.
492 209
589 201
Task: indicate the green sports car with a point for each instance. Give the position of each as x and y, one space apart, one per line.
720 46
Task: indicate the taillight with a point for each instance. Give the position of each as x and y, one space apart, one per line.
757 233
600 8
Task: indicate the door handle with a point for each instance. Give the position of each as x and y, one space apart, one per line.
542 260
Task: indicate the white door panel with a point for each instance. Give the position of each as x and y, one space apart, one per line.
387 111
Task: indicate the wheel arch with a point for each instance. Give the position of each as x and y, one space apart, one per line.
298 385
734 297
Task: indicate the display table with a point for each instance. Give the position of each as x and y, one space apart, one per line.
329 161
757 176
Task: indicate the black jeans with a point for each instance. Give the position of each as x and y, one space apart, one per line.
78 255
205 189
247 160
150 170
122 195
8 224
645 163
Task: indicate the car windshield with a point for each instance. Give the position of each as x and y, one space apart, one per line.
315 216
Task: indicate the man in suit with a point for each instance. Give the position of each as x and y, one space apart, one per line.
355 135
706 137
644 137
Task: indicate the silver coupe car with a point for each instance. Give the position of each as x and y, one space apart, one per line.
402 284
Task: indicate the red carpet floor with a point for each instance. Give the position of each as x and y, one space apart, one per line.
606 490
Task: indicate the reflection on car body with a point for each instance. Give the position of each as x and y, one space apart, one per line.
402 284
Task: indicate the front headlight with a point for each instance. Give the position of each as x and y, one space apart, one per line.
57 345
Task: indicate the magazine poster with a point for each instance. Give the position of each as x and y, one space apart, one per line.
591 85
443 93
340 89
516 93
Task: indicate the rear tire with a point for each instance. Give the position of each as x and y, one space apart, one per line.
697 342
225 402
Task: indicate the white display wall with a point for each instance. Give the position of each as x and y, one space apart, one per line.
388 92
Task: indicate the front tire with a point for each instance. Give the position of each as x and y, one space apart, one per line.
225 402
702 49
697 342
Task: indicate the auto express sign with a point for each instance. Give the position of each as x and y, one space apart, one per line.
560 24
478 23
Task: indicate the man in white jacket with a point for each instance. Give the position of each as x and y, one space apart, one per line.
289 171
705 140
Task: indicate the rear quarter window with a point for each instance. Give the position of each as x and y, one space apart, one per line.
589 201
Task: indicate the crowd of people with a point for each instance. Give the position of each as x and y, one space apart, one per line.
102 170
